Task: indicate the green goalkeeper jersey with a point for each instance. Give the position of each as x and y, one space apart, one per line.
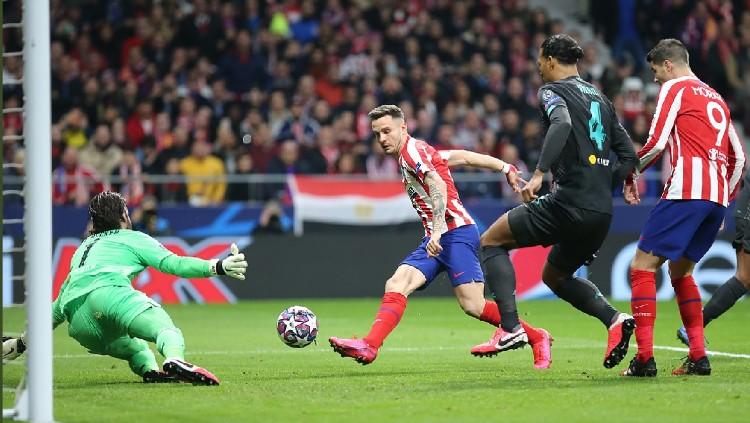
115 257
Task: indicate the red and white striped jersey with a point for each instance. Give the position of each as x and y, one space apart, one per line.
706 154
415 160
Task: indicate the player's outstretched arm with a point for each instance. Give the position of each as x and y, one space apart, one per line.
154 254
456 158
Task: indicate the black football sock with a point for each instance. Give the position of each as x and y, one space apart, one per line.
501 279
723 299
585 296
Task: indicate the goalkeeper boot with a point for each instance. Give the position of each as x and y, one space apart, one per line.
362 352
543 351
501 341
618 340
699 367
187 372
157 376
638 368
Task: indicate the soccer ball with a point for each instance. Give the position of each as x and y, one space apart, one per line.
297 326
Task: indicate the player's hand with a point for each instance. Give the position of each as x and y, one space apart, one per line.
514 178
528 193
433 246
233 266
630 192
13 347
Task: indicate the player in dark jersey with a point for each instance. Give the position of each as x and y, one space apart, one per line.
582 132
739 284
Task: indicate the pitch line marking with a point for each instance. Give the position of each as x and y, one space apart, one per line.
395 349
716 353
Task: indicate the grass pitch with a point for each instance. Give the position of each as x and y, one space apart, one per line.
424 372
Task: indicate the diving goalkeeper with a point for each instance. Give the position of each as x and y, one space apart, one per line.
107 316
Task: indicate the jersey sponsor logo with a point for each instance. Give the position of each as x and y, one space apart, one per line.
162 287
593 160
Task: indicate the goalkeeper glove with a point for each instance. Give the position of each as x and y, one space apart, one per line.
233 266
13 347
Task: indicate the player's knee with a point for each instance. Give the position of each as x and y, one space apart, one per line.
645 261
553 278
486 240
472 308
398 285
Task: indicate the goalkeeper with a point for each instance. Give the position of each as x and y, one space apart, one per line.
107 316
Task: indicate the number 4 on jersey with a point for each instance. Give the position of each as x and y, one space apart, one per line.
596 129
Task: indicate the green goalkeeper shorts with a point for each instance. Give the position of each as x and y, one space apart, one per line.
104 315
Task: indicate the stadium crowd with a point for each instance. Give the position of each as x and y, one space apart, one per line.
172 87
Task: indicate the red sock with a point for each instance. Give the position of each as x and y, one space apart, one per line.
691 311
391 309
643 306
491 315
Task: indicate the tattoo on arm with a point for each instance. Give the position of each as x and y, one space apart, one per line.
438 195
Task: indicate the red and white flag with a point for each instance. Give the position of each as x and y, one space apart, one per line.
349 201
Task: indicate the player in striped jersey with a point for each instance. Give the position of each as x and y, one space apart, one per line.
707 162
451 240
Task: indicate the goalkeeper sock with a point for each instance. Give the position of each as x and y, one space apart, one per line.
723 299
171 344
491 315
689 301
643 307
391 309
501 279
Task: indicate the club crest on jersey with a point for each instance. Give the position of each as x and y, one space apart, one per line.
714 155
593 160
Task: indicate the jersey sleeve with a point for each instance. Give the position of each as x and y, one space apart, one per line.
736 161
667 107
152 253
550 100
418 157
622 146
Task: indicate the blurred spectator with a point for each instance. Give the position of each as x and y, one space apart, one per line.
244 191
129 178
173 191
101 154
141 123
242 68
73 183
205 173
380 165
74 129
